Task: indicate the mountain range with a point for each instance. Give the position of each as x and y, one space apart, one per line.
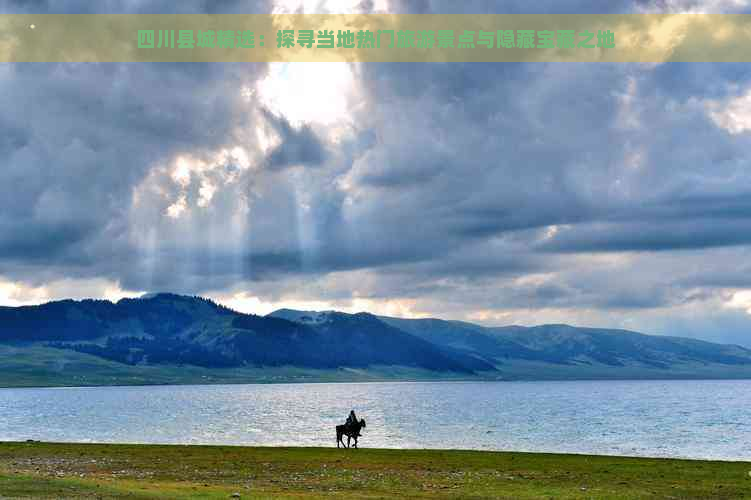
168 338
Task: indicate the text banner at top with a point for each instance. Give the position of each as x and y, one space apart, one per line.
649 38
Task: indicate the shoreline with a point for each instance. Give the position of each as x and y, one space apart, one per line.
378 381
380 449
33 469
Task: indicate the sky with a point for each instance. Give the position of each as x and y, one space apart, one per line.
594 194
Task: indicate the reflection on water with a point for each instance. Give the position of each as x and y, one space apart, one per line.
698 419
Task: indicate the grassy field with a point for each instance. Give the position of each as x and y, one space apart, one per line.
44 470
40 366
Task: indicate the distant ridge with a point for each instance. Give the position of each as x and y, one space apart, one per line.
164 328
569 345
171 337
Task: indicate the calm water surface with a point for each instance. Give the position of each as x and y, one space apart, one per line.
693 419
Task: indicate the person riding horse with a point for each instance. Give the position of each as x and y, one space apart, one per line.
352 420
351 429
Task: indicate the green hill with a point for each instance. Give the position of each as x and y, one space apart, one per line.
173 339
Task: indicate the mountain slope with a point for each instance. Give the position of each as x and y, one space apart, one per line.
574 346
567 344
468 337
354 338
171 338
174 329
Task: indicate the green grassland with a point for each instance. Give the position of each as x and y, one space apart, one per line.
44 470
39 366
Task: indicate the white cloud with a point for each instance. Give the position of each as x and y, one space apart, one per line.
327 7
18 293
740 300
733 114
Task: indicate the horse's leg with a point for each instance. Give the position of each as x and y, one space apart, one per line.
338 438
348 438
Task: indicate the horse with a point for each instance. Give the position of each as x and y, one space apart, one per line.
350 431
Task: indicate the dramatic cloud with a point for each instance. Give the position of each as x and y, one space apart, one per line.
600 194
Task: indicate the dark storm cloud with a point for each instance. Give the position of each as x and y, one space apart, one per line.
80 138
511 150
512 7
134 6
521 149
464 186
650 236
297 146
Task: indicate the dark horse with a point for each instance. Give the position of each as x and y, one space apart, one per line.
351 431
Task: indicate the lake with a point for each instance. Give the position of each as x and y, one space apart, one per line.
692 419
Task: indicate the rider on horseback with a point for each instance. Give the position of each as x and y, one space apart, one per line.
352 420
351 429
